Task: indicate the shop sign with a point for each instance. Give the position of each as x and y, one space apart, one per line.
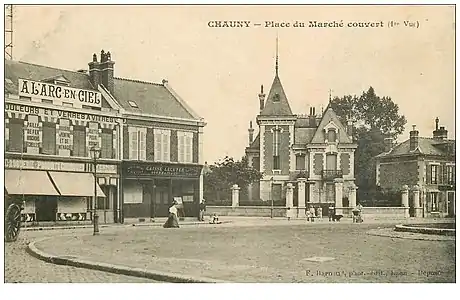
56 166
42 90
60 114
162 170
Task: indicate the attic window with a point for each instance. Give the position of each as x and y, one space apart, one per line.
276 97
133 104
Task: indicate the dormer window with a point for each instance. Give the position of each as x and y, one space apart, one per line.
331 135
57 80
276 97
133 104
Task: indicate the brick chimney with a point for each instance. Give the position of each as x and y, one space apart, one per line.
262 98
388 142
440 133
94 72
413 139
312 118
106 67
251 133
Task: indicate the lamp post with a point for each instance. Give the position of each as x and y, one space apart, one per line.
271 197
95 152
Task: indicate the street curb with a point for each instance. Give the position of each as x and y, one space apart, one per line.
43 228
116 269
391 233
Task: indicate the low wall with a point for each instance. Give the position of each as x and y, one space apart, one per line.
264 211
246 211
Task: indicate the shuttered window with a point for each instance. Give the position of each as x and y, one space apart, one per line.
185 146
16 134
49 138
107 143
162 145
137 143
79 141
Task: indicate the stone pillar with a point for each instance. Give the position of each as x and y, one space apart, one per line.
289 195
301 185
352 195
338 196
405 200
235 195
417 209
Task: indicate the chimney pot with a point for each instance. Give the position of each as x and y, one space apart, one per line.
94 57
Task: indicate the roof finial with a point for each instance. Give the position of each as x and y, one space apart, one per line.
276 65
330 95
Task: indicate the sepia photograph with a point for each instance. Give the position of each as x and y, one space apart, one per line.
229 143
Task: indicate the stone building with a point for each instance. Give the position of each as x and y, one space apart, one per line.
422 164
150 142
315 153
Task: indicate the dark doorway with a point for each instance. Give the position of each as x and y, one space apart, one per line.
162 199
46 208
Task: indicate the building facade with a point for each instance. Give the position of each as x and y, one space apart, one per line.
150 143
425 165
53 118
315 153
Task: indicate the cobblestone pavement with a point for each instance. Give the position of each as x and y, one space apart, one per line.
20 267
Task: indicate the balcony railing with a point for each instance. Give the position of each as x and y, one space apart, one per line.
332 174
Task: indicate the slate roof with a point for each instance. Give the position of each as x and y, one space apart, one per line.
151 98
17 69
278 107
330 115
427 146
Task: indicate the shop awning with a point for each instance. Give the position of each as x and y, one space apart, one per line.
75 184
19 182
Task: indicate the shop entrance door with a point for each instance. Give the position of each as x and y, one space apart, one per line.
451 203
46 208
162 198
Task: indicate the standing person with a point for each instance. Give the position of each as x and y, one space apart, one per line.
202 209
172 221
320 213
331 212
308 214
313 213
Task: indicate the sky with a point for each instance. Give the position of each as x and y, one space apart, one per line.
218 71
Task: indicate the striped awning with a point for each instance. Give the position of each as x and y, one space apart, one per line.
75 184
26 182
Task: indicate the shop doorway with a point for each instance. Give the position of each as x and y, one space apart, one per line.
162 199
451 203
46 208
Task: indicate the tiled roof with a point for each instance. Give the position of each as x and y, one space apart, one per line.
150 98
273 106
426 146
17 69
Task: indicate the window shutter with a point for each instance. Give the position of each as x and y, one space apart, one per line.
142 149
181 146
166 146
428 174
157 146
133 145
188 148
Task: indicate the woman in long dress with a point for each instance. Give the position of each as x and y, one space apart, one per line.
172 221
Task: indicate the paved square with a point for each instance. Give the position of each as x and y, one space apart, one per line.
269 253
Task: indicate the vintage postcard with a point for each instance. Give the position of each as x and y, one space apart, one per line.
229 143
